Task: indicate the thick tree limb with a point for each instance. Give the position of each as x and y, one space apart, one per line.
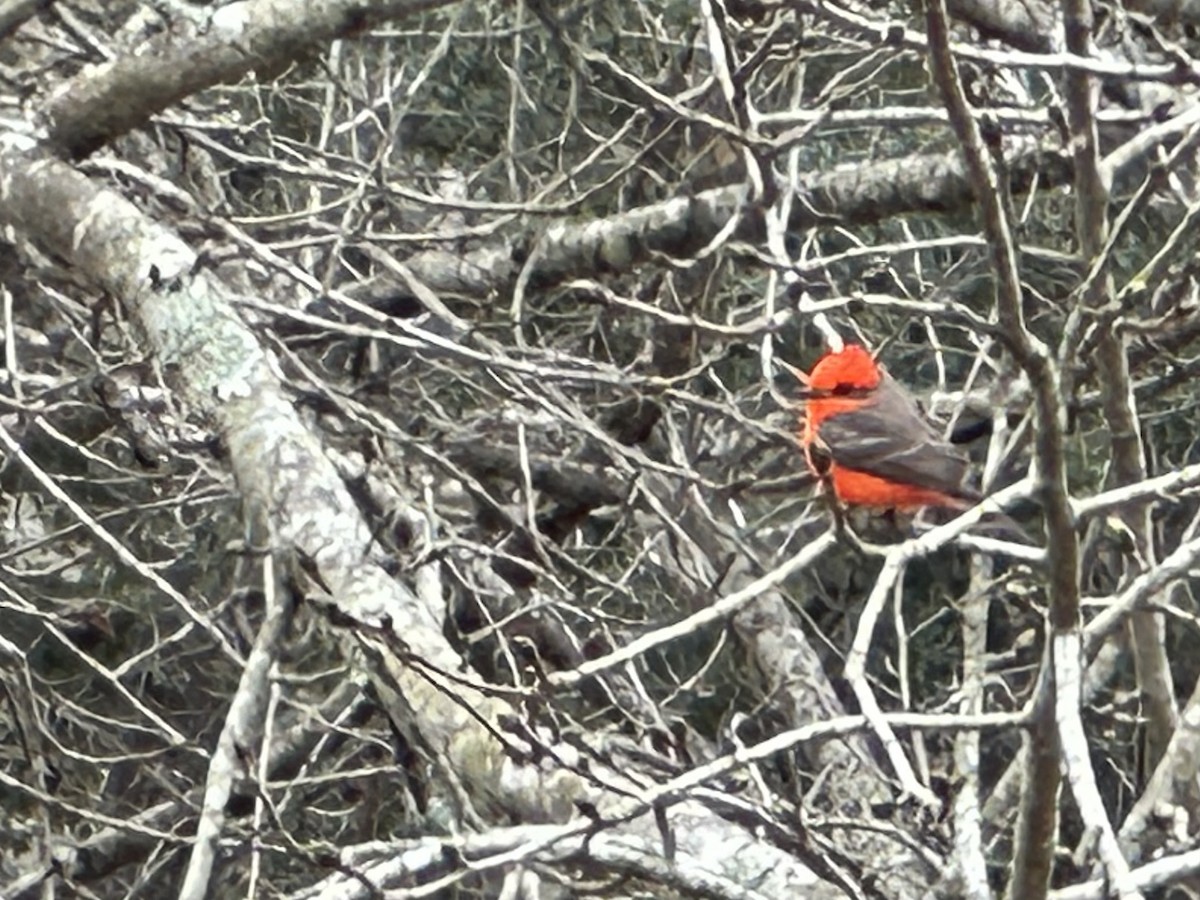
260 36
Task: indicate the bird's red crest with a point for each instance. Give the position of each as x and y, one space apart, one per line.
851 368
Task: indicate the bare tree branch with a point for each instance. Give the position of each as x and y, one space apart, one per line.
260 36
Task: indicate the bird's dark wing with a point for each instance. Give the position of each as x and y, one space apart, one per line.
888 437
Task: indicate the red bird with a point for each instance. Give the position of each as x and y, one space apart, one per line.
864 432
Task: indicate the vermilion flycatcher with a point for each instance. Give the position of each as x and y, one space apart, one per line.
865 434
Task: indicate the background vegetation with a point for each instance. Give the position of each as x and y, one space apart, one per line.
401 487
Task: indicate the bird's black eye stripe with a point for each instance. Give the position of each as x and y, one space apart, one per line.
840 390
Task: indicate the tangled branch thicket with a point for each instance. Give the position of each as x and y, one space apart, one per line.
401 484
